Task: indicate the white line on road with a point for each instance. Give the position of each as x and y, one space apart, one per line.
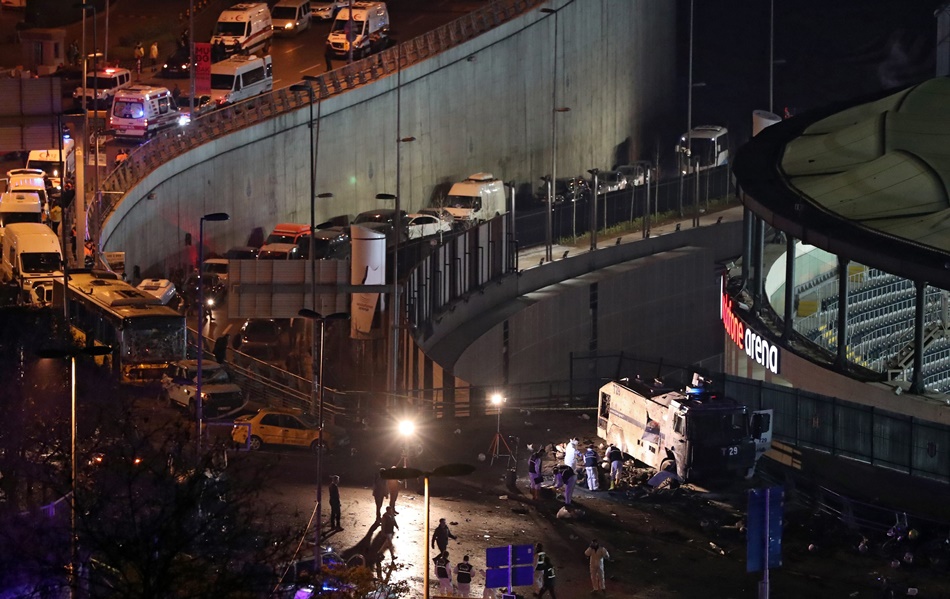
316 66
289 50
276 81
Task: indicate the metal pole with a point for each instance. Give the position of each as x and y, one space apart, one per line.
191 57
80 197
689 109
350 37
593 213
397 225
317 553
425 568
73 553
548 250
771 50
105 56
201 319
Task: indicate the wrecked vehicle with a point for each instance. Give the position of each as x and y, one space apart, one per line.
696 433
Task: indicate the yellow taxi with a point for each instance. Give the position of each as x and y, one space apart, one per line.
278 426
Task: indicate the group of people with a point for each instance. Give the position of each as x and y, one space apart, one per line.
565 474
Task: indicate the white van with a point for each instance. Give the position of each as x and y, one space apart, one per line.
140 111
50 162
371 29
244 28
20 207
240 77
101 87
31 260
708 148
30 180
479 198
290 17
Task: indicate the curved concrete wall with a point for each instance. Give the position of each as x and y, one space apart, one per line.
483 106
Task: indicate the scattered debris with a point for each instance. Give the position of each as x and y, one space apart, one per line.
502 497
458 431
584 416
481 457
664 479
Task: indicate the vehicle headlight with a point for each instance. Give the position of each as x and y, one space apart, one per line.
165 66
290 25
210 302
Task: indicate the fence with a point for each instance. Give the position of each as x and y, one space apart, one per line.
171 143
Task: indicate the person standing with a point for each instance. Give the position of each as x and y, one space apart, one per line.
153 53
535 478
463 577
442 573
393 493
328 58
380 491
570 453
566 478
55 217
547 577
597 554
615 457
388 527
441 536
538 558
590 466
335 513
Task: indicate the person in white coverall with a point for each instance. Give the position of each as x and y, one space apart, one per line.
570 453
597 554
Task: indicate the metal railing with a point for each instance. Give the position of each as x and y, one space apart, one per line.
172 143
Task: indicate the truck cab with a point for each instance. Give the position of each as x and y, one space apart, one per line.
55 164
31 260
703 147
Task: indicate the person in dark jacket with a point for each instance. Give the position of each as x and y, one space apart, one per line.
547 577
590 466
535 478
441 536
335 513
380 492
615 457
442 572
463 577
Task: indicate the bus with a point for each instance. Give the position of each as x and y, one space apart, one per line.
146 336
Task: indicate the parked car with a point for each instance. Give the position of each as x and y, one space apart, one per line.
203 105
259 337
217 267
280 426
610 181
635 173
326 10
566 189
219 394
383 220
176 65
425 225
331 243
244 252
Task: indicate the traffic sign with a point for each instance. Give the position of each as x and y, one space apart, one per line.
764 518
510 566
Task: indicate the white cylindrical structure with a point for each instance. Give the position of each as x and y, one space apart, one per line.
762 119
368 267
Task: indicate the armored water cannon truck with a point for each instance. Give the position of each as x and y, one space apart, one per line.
697 433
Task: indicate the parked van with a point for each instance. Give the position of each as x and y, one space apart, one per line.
708 147
101 88
287 233
479 198
140 111
31 180
31 260
371 29
20 207
290 17
50 162
240 77
244 28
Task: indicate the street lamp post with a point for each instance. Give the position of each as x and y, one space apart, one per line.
212 217
79 211
71 353
593 210
316 317
440 472
548 250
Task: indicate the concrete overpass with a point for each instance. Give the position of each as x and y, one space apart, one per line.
477 95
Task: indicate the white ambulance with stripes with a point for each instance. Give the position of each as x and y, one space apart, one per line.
140 111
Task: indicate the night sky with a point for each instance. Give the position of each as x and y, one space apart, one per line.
833 50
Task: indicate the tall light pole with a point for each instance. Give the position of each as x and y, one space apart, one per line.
440 472
71 353
554 110
79 211
593 210
315 317
212 217
393 375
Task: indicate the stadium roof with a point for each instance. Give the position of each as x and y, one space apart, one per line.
869 181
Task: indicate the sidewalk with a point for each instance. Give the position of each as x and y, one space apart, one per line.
534 257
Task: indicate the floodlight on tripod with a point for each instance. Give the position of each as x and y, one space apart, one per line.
498 442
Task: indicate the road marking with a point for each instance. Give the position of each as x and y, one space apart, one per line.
414 20
289 50
276 81
316 66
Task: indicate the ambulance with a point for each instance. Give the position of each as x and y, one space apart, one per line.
141 110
